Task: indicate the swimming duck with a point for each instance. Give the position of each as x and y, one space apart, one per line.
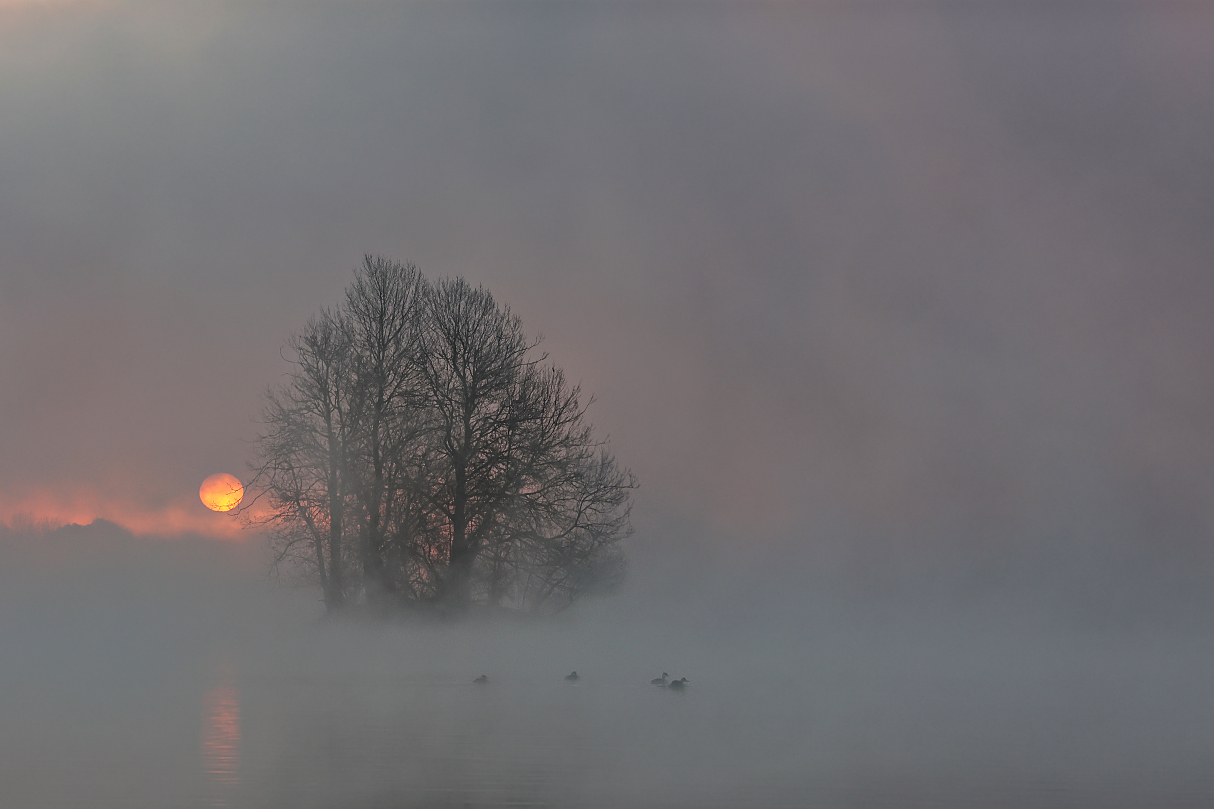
660 680
484 678
679 684
572 677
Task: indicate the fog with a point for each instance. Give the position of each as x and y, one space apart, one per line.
899 312
144 672
935 273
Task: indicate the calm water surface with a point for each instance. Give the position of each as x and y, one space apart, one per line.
233 735
198 687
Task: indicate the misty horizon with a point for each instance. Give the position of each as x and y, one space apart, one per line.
899 313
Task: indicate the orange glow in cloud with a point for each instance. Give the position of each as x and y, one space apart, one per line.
47 508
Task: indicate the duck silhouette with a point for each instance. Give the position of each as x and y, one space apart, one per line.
484 678
679 684
572 677
660 680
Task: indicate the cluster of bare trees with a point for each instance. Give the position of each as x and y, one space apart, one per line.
422 453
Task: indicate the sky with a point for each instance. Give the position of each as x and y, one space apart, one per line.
899 310
896 284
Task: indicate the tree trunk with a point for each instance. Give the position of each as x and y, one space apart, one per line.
374 568
336 514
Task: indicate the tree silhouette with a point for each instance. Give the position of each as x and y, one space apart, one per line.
422 453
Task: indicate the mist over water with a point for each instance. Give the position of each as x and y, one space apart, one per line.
174 672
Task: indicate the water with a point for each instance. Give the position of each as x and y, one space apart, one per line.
183 680
252 735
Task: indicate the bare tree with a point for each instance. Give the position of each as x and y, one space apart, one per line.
420 436
473 353
383 310
304 464
569 507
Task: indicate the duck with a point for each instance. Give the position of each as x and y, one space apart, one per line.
660 680
679 684
572 677
482 680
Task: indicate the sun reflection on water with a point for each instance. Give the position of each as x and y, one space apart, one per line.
220 746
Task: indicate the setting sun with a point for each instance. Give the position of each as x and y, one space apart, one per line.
221 492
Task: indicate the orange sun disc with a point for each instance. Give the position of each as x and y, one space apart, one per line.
221 492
